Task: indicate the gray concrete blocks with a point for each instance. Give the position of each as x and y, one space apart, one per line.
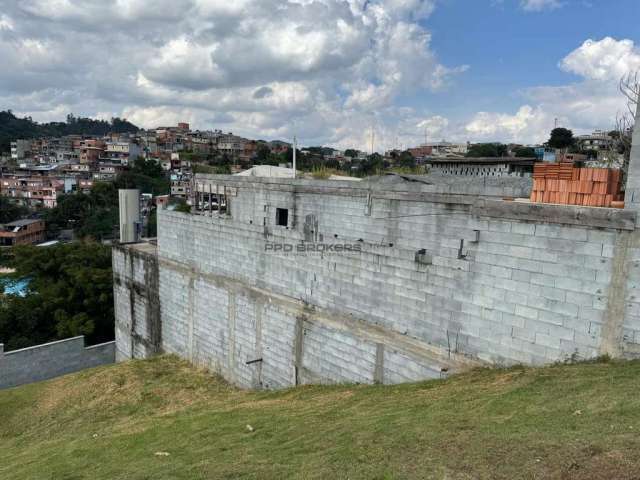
50 360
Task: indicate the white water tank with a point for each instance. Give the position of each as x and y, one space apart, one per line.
130 224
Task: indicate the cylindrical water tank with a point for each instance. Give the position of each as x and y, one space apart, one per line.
129 201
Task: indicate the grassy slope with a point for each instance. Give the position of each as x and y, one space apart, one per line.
580 421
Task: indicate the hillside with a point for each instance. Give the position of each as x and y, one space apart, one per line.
12 128
162 419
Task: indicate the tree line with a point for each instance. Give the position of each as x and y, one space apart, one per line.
12 128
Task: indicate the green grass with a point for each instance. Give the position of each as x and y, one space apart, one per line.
569 421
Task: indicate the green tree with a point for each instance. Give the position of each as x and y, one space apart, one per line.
524 152
561 138
70 293
10 211
406 160
263 154
374 164
145 175
350 152
180 205
92 215
492 150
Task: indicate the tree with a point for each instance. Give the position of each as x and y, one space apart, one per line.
406 160
10 211
180 205
90 215
480 150
263 154
561 138
70 293
350 152
524 152
630 88
146 176
625 123
373 164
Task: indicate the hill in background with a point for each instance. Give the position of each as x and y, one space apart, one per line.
163 419
12 128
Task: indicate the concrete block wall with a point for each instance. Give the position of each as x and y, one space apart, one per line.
50 360
496 283
136 302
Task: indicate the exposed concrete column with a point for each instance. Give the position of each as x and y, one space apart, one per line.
632 196
231 319
611 341
190 311
378 373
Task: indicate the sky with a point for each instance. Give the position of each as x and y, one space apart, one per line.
331 72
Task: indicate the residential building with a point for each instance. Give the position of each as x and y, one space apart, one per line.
32 191
85 185
181 186
421 152
250 150
595 142
278 146
79 168
22 232
439 149
108 171
231 145
122 152
546 154
20 149
90 150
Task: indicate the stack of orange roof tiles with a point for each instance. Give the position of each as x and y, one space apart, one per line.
565 184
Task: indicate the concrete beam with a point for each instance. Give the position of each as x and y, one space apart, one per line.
560 214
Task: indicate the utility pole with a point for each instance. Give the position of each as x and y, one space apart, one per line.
372 139
295 147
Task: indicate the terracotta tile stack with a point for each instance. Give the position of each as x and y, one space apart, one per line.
563 183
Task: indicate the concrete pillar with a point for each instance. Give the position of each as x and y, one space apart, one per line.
632 195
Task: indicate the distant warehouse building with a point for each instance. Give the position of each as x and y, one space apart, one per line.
482 167
22 232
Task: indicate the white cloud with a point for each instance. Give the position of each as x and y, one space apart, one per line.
6 23
434 127
325 68
540 5
527 122
603 60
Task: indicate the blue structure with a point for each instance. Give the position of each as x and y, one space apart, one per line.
545 154
15 287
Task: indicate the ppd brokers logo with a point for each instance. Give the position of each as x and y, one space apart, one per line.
312 248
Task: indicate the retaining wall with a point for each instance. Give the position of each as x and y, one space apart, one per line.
50 360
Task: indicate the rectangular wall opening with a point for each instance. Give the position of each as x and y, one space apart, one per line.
282 217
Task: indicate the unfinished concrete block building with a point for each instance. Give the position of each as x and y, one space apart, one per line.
279 282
